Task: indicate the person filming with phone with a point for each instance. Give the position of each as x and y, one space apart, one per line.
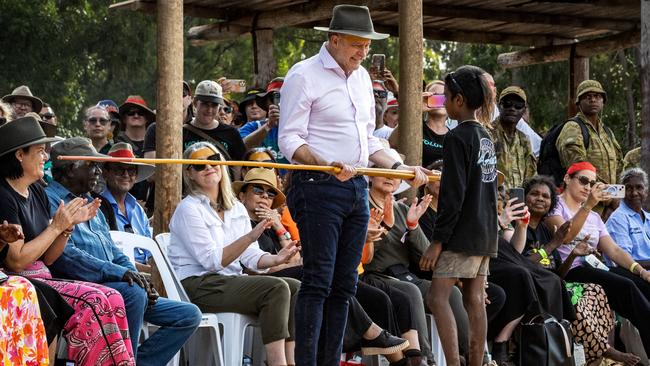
627 284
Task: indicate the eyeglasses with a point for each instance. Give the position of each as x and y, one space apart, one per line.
584 181
380 93
130 170
47 115
259 191
102 121
226 110
90 165
513 104
201 167
22 104
134 112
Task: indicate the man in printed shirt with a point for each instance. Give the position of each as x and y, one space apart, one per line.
327 119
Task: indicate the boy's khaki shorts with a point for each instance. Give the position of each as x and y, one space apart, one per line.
460 265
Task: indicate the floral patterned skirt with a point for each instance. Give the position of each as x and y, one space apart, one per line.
22 335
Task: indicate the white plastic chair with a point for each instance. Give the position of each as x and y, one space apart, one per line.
234 324
128 242
436 345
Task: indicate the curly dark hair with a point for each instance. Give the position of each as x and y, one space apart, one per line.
542 180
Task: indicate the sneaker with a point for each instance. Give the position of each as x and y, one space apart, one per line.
384 344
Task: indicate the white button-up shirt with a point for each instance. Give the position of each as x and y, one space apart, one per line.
332 113
198 236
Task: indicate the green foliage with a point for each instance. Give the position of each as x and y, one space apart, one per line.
73 53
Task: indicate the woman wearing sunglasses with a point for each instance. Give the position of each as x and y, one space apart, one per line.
626 284
212 241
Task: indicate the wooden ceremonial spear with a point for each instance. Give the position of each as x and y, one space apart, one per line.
373 172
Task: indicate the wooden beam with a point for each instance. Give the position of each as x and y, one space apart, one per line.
188 9
284 17
525 40
215 32
645 88
509 16
578 72
264 63
560 53
169 110
410 91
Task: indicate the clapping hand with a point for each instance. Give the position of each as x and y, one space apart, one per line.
583 248
287 253
416 210
10 233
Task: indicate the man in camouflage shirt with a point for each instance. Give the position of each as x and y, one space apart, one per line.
514 151
632 159
604 152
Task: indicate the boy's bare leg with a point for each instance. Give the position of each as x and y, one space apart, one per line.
474 301
438 302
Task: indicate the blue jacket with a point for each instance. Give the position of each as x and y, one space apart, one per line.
90 254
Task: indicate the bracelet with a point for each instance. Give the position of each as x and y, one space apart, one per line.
67 233
585 208
396 165
280 232
411 225
385 226
542 253
633 266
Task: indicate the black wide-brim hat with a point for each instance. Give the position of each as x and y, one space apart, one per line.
353 20
20 133
250 95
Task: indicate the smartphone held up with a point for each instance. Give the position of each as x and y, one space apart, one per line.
379 63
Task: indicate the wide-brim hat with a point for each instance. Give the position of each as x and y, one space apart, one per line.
250 95
136 101
20 133
50 129
124 150
353 20
24 92
590 86
265 177
72 146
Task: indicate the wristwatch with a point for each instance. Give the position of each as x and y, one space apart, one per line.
285 236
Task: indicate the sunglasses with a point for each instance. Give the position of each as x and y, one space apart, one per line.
519 105
102 121
201 167
380 93
259 191
584 181
226 110
134 112
47 115
130 170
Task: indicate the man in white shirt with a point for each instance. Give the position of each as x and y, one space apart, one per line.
328 116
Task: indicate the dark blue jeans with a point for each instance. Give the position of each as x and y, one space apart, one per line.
177 321
332 218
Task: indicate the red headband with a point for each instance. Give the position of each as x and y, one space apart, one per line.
583 165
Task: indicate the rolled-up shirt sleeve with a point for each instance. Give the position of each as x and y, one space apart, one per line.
294 117
192 230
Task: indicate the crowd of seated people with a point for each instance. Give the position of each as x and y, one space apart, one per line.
571 251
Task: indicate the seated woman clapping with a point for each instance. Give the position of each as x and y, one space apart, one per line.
212 238
97 331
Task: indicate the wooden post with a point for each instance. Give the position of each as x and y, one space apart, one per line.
644 48
265 66
410 82
169 110
578 72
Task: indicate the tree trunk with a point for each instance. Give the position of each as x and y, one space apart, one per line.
410 88
170 110
265 66
578 72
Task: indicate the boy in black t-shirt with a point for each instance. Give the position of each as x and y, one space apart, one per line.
465 234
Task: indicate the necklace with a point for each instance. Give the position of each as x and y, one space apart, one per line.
374 203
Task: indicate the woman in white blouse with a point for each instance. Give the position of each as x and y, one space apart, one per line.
212 240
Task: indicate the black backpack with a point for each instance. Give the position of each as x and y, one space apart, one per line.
549 162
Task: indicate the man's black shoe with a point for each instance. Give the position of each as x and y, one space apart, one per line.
384 344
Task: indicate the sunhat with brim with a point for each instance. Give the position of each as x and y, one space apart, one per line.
24 92
392 103
22 132
73 146
49 128
353 20
124 150
136 101
251 94
265 177
590 86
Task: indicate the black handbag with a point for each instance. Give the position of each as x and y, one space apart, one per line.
544 341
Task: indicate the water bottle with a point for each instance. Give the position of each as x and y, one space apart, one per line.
247 361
